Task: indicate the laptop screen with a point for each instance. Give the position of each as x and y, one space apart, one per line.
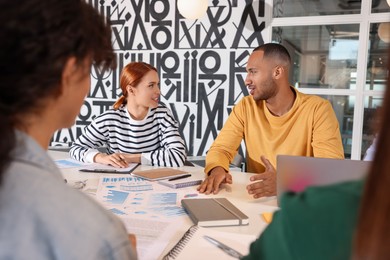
296 173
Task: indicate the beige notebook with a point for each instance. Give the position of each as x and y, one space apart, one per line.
159 174
194 245
214 212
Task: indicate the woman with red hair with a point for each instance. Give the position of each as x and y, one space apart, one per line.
138 129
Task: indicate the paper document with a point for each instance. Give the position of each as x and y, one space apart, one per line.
96 167
152 236
68 163
134 196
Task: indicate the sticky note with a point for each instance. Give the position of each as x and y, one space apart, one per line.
267 216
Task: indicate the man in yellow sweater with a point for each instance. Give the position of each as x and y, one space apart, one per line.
274 119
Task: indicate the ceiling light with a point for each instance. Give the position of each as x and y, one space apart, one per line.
384 32
192 9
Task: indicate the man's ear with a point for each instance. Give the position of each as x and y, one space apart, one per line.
278 72
68 73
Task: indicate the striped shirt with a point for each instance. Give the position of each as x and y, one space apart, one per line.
156 137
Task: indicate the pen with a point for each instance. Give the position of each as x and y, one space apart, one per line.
228 250
103 171
180 177
123 160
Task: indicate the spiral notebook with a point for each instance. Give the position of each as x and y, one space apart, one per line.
193 245
181 183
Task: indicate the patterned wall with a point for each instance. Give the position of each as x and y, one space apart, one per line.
201 63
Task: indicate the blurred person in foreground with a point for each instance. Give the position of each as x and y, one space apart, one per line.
47 50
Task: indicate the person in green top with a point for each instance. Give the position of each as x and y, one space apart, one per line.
315 224
342 221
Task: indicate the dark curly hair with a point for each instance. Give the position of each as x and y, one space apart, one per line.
37 37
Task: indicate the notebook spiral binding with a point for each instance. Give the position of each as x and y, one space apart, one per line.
175 251
187 184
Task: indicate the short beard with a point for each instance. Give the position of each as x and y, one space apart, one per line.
269 93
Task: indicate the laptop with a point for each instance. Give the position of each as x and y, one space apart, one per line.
295 173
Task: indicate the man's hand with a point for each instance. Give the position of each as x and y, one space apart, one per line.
116 159
265 184
217 176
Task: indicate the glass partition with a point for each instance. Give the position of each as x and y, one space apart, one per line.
293 8
344 107
377 56
324 56
380 6
372 106
323 39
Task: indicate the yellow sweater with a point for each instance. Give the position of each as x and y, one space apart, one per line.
310 128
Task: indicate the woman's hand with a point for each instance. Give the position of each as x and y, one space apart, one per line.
132 158
117 160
